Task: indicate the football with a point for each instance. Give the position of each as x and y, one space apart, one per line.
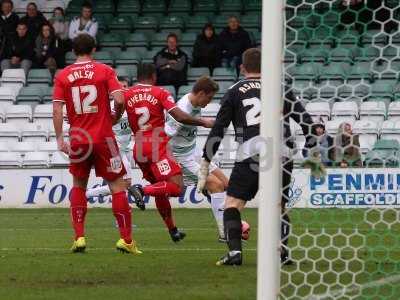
245 230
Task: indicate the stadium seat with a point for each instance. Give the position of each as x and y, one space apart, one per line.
59 160
326 92
146 24
111 40
13 76
148 56
347 110
205 7
374 37
19 114
136 40
34 132
30 95
121 23
224 74
319 111
367 131
252 6
306 71
104 57
39 76
52 134
196 23
210 110
390 130
335 71
321 37
180 7
341 54
385 153
187 39
4 147
223 87
23 147
231 6
312 55
382 89
373 111
129 57
251 22
70 58
394 111
104 7
36 159
154 7
9 132
361 70
49 147
183 90
172 23
346 38
366 54
47 94
128 7
10 159
195 73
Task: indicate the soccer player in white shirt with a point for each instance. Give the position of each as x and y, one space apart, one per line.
183 146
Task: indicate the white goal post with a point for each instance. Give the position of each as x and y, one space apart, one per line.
268 282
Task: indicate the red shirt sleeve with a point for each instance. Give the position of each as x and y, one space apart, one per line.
167 100
113 84
59 90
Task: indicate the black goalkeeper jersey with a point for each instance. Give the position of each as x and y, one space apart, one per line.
241 105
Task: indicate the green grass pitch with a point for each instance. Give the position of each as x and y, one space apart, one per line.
35 262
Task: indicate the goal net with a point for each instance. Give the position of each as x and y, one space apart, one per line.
341 175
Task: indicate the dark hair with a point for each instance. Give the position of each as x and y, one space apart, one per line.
32 3
145 71
87 4
8 1
51 29
172 35
60 9
208 25
205 84
22 23
252 60
83 44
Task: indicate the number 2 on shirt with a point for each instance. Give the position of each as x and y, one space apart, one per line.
85 106
144 116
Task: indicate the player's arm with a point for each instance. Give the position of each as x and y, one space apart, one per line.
184 118
58 118
119 106
224 118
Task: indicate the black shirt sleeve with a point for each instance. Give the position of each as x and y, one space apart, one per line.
222 121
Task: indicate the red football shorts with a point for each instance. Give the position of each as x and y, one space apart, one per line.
104 157
154 159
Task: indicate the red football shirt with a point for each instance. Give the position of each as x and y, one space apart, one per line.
145 105
85 87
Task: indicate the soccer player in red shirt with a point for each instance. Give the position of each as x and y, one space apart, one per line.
84 88
145 105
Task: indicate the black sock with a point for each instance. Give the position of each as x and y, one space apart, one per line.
285 231
233 228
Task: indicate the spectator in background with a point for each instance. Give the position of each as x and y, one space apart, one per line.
9 19
48 49
207 49
234 41
347 147
59 23
34 19
320 141
171 64
19 50
85 23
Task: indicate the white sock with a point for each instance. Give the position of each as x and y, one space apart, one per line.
217 206
103 190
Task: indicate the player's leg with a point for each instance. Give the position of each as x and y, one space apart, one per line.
108 164
80 166
238 193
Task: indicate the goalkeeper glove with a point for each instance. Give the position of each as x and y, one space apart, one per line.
202 175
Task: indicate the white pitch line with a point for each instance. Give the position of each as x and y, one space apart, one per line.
352 289
109 249
106 228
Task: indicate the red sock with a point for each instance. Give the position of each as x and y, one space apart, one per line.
163 188
122 213
78 210
164 208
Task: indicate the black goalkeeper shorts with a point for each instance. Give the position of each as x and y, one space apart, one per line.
243 183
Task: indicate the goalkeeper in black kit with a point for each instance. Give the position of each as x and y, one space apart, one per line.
241 105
